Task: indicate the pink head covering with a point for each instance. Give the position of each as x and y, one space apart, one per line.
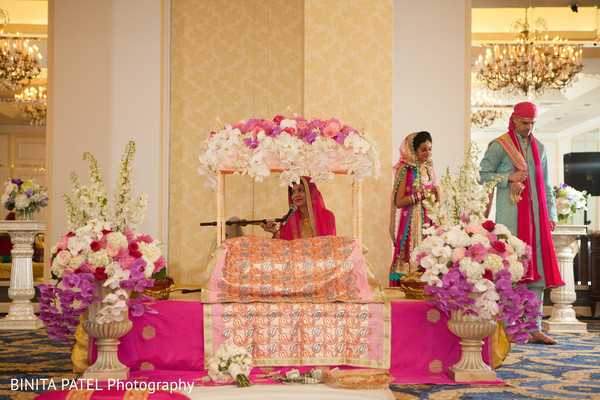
522 110
321 219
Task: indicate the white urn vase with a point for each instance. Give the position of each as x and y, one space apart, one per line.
107 365
471 330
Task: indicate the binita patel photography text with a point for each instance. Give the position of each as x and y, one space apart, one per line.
49 384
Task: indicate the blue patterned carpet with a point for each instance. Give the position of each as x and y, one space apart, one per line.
569 370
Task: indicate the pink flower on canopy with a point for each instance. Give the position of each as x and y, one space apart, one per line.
112 250
301 124
291 131
212 133
332 128
240 126
256 130
346 130
266 124
278 118
458 254
464 218
473 228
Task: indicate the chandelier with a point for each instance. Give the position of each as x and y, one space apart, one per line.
31 102
484 111
531 65
19 58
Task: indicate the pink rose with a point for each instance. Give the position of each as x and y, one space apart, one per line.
472 228
509 249
302 124
278 118
63 257
488 225
266 124
332 129
112 250
458 254
95 246
291 131
63 243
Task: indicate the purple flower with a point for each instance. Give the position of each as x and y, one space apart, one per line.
311 136
17 182
275 131
251 142
339 138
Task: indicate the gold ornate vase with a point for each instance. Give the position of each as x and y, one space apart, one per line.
471 330
107 365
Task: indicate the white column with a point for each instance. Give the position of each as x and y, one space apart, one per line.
563 316
20 314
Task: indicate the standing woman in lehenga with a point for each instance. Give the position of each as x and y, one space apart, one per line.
414 177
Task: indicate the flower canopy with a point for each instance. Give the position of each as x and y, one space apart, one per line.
293 145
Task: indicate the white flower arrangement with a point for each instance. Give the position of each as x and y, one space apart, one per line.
23 195
230 363
568 201
460 195
91 201
292 145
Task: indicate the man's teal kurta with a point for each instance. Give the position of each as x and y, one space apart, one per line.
497 163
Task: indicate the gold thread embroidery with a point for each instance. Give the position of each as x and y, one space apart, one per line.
146 366
76 394
435 366
433 316
149 332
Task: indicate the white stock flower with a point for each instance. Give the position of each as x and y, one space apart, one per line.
516 271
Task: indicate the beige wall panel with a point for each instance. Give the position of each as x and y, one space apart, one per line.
30 150
4 149
233 60
348 75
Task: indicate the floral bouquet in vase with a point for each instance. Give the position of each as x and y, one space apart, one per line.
568 201
230 363
102 258
473 264
23 197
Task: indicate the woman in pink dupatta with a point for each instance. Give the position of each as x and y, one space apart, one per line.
414 175
311 218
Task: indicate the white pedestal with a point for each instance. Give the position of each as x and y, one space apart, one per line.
20 314
563 317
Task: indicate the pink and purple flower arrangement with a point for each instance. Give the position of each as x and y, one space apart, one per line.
476 267
92 256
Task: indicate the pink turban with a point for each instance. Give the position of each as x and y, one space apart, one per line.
522 110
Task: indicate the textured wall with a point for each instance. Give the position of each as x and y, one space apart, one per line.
251 59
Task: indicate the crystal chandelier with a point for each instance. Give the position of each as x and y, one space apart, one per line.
19 58
484 111
531 65
31 102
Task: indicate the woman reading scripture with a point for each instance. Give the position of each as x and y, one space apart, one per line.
311 217
414 177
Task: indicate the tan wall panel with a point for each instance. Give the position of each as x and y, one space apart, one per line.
233 60
348 75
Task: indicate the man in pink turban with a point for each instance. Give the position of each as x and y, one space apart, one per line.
525 202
